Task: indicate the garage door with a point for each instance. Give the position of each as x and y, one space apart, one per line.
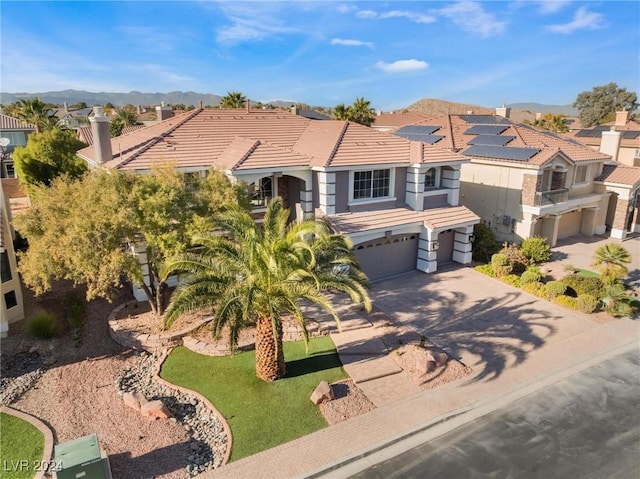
570 224
445 253
387 257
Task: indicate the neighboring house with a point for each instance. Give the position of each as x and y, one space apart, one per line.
523 181
619 138
72 119
398 200
16 132
310 114
392 121
10 288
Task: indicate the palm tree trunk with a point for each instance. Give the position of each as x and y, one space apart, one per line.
270 363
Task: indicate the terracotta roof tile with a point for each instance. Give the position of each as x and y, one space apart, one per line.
9 123
620 174
436 218
397 120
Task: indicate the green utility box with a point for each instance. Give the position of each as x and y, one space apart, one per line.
81 458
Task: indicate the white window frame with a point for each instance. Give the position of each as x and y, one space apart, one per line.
437 180
381 199
587 171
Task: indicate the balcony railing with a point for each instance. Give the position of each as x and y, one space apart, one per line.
551 197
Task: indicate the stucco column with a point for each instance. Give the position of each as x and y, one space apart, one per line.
327 192
550 228
462 245
619 227
427 252
526 227
588 226
415 188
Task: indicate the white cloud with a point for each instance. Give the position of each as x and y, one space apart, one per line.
251 21
351 43
411 16
403 66
582 19
471 17
552 6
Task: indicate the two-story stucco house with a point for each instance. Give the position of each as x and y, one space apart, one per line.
523 181
398 200
15 132
12 306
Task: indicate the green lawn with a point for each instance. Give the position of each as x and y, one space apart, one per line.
261 415
585 273
21 448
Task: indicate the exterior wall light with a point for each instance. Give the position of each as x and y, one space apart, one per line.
435 246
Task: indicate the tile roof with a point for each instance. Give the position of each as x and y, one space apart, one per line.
436 218
85 134
397 120
9 123
237 139
620 174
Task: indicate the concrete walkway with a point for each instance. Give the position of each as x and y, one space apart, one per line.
515 343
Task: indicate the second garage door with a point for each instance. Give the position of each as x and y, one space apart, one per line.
388 256
570 224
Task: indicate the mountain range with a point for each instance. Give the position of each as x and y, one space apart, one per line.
426 105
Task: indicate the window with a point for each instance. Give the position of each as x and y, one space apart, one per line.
582 174
16 138
430 178
10 300
371 184
5 267
261 191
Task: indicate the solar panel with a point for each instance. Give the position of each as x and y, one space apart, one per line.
630 135
431 139
496 140
501 152
419 129
485 119
485 130
589 133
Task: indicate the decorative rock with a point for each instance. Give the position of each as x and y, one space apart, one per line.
155 410
134 400
441 358
322 393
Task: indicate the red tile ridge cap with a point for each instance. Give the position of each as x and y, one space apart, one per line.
334 150
248 153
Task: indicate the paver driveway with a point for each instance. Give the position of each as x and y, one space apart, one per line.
487 324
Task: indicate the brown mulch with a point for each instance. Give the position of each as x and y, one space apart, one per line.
348 402
137 316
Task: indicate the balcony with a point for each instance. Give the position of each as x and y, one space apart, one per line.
551 197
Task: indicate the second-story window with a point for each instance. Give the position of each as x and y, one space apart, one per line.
6 267
261 191
430 179
582 174
371 184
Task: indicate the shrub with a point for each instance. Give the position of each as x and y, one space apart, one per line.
512 279
587 303
485 244
553 289
569 268
75 310
531 275
583 285
536 249
43 325
566 301
500 265
517 260
485 269
536 288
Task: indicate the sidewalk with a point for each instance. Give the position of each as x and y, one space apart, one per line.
322 453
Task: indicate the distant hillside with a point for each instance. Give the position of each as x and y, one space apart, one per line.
431 106
118 99
541 108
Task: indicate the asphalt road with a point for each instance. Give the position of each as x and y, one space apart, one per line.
586 426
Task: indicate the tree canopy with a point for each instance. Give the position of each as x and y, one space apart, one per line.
360 112
125 116
86 229
233 99
35 112
254 274
600 104
551 122
48 155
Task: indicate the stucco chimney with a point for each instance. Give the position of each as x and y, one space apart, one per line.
101 135
248 105
469 112
503 111
294 110
622 117
66 107
610 143
163 112
538 116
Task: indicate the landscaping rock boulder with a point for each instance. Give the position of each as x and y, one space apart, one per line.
134 400
322 393
155 410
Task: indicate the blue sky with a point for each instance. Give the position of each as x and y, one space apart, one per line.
325 52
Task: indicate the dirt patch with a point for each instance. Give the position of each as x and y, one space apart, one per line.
138 316
349 401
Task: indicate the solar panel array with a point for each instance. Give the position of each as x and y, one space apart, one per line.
431 139
497 140
485 130
418 129
597 133
502 152
485 119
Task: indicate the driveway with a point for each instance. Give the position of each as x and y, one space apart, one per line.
485 323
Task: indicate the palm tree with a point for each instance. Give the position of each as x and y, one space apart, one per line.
610 260
36 112
125 116
233 99
254 274
341 112
361 112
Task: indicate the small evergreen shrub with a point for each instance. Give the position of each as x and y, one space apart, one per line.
566 301
517 260
500 265
584 285
485 269
569 268
536 250
553 289
512 279
43 325
536 288
531 275
485 244
587 303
